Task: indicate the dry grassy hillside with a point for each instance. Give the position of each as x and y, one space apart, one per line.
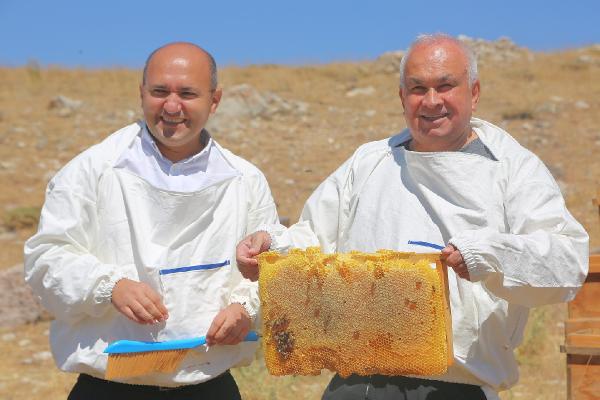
297 124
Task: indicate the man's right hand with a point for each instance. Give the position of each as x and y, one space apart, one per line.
247 249
138 302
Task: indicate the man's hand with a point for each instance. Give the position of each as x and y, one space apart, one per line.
454 259
230 326
138 302
249 248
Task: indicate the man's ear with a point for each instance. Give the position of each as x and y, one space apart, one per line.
401 95
475 91
216 99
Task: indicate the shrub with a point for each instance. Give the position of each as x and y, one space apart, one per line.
21 218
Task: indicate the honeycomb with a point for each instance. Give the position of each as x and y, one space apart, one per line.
355 313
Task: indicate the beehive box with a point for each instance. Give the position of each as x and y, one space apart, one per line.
357 313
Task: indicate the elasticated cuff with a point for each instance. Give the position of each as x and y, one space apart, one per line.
276 232
249 309
478 271
103 292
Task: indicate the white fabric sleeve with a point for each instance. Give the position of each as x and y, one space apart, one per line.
323 217
69 281
544 257
299 235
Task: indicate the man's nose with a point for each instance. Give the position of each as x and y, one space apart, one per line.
432 98
172 104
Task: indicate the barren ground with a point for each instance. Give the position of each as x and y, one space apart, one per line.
547 101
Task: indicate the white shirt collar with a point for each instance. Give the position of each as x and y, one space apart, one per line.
198 161
206 168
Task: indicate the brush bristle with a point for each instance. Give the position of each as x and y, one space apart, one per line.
128 365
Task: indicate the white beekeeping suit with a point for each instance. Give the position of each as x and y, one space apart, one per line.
506 215
102 222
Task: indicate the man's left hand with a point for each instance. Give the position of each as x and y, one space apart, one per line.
454 259
230 326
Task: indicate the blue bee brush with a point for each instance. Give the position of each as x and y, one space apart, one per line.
129 358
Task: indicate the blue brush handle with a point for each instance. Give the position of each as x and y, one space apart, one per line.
133 346
426 244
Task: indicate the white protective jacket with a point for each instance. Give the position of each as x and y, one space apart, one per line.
507 217
101 223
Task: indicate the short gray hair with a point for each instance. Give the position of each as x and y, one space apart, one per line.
472 74
211 63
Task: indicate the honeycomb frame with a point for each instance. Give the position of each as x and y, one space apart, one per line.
358 313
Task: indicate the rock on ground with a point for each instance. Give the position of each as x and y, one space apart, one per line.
18 304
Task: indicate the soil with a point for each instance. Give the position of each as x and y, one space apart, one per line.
547 101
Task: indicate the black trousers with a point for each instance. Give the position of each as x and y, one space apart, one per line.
223 387
378 387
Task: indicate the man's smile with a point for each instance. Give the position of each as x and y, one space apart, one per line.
172 120
433 118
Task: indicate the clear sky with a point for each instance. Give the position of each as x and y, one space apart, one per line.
108 33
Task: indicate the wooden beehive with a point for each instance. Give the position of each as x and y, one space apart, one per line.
582 335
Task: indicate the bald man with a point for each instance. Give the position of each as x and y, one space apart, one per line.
466 185
136 239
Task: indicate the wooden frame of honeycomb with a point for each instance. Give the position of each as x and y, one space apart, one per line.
358 313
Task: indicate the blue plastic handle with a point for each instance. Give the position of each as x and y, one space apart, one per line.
426 244
133 346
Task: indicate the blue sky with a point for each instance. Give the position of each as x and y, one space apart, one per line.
113 33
